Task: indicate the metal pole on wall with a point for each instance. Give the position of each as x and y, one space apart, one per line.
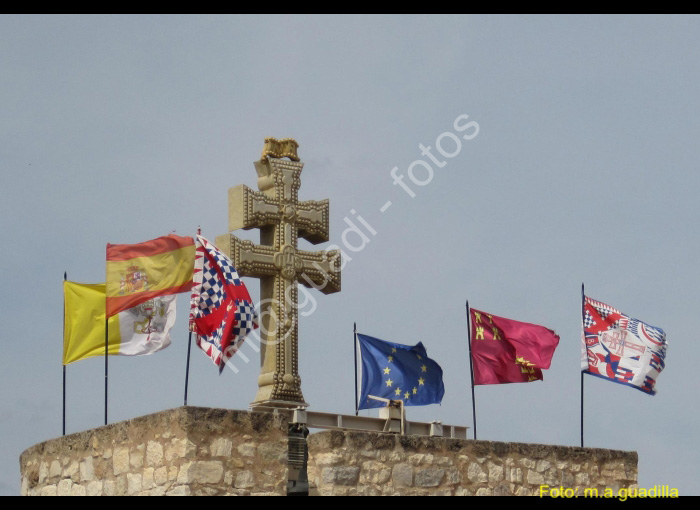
471 367
65 277
187 369
354 345
583 325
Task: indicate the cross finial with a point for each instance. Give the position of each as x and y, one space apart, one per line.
280 265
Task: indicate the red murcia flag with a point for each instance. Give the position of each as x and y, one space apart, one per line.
508 351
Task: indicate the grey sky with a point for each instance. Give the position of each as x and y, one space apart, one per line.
121 129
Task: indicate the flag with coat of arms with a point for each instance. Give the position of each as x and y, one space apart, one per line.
222 313
620 348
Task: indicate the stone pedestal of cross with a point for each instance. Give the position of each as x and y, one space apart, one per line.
280 265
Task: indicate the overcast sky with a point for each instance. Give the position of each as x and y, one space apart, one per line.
120 129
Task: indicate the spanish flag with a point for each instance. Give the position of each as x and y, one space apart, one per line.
139 272
141 330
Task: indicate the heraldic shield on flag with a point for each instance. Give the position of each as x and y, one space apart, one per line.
398 372
222 313
621 349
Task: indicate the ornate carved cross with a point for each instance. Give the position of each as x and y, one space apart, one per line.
279 264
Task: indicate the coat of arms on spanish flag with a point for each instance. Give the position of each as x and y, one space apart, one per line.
139 272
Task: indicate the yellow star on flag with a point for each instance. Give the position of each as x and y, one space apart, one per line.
423 368
389 382
387 370
421 382
397 391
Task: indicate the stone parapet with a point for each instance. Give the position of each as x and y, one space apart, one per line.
184 451
373 464
200 451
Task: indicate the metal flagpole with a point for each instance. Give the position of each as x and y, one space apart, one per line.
65 277
583 318
354 344
189 342
187 370
106 364
471 367
582 372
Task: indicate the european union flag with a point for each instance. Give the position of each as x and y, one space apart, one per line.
398 372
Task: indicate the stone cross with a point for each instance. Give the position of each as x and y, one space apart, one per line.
279 264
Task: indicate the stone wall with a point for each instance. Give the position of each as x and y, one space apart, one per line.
198 451
178 452
358 463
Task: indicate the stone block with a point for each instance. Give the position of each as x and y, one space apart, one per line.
535 478
49 490
542 466
94 488
221 447
374 472
273 452
160 475
63 487
180 490
120 461
495 472
154 454
147 481
43 472
109 488
136 459
429 477
72 470
514 474
346 475
87 470
134 483
247 449
244 480
203 471
476 474
78 490
157 491
55 470
328 459
122 486
453 476
402 475
582 479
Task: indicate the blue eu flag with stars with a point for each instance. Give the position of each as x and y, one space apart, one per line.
398 372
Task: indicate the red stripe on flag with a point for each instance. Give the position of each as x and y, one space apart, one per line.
165 244
119 304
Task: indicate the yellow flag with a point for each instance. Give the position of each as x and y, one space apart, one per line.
84 327
143 329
